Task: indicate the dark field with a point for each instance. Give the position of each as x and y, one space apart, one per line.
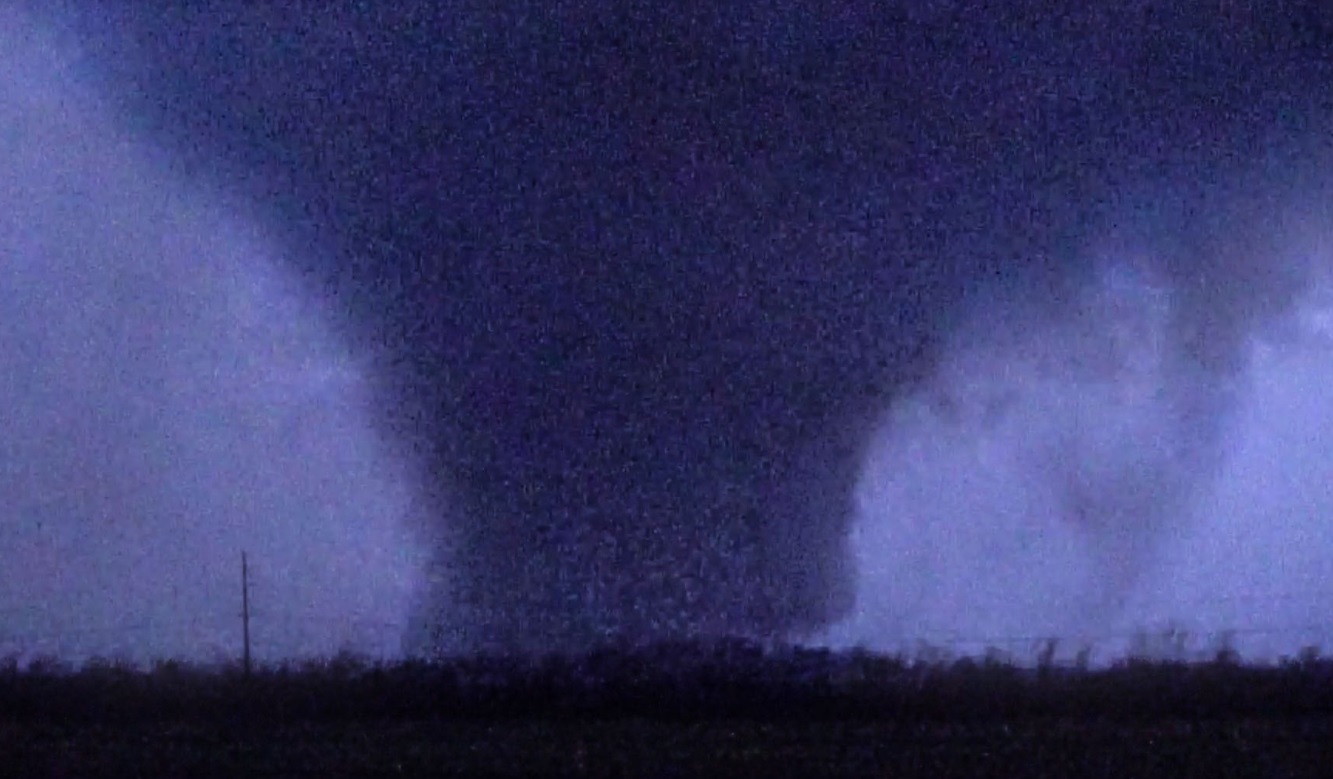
1035 748
730 711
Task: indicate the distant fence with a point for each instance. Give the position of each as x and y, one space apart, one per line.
1165 642
295 637
278 635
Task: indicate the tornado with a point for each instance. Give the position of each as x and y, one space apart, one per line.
638 283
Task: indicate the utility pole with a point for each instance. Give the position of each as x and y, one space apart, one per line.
245 614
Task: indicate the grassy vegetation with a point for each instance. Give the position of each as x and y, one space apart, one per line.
673 710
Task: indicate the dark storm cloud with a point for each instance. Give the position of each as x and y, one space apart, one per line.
639 276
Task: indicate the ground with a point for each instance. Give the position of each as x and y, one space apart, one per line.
1289 747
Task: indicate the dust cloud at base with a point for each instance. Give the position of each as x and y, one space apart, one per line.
1056 479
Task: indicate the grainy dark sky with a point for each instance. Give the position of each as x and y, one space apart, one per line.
642 297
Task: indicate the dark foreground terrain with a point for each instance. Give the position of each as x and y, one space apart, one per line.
1057 748
1036 748
731 710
